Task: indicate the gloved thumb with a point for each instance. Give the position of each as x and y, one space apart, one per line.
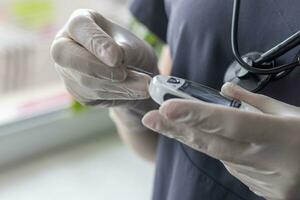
234 91
261 102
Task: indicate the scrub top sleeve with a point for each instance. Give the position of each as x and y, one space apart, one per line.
152 14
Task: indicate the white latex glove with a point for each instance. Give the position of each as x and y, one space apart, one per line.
262 150
91 55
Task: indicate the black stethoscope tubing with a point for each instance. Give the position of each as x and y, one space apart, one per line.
262 65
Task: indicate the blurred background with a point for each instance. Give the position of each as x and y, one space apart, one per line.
50 146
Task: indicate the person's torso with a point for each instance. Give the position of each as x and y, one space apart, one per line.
199 38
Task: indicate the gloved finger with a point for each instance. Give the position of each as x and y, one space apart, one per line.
256 172
136 106
69 54
109 103
215 146
95 36
223 121
98 103
154 121
135 87
264 103
257 189
256 185
86 94
135 51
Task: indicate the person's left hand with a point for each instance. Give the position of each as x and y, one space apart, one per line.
260 149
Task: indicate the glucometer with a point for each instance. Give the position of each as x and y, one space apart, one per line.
163 88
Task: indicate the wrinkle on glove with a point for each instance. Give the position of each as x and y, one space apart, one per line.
260 149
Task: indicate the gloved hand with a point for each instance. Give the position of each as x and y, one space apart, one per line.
260 149
91 55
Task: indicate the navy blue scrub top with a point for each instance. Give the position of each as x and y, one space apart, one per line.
198 33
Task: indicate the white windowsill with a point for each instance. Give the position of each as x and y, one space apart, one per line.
22 135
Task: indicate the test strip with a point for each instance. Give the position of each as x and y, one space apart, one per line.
139 70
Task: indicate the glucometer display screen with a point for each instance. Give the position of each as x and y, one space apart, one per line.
205 94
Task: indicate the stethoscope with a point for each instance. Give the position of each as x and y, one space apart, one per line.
254 70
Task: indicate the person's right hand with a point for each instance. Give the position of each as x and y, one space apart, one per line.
91 54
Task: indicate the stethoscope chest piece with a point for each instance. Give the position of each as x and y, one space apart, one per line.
247 80
255 70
